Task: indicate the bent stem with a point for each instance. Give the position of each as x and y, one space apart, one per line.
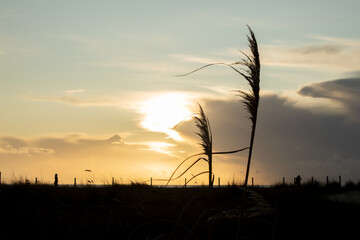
230 152
174 178
198 175
180 166
189 168
205 134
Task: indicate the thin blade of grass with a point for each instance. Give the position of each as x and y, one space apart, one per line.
230 152
196 176
212 64
189 168
199 154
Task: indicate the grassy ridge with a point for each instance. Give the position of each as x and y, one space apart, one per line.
143 212
47 212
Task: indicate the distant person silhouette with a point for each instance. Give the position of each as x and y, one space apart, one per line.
298 180
56 180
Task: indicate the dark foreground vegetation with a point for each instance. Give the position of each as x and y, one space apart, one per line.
143 212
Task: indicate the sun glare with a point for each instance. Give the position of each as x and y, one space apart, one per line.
163 112
160 147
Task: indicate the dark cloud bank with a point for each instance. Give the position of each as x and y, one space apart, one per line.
292 140
344 91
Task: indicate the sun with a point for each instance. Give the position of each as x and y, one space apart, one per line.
163 112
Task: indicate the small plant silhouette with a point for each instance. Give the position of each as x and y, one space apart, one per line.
249 99
205 134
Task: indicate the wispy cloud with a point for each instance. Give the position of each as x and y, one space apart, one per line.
196 59
15 146
12 150
326 53
226 91
156 146
142 66
319 48
338 41
69 154
78 97
73 91
332 54
133 100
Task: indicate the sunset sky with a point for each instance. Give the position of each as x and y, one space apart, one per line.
92 85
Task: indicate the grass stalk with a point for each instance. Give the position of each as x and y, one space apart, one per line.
251 73
205 134
251 100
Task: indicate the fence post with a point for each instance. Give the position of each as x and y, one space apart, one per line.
340 181
151 181
312 180
74 182
185 182
35 180
112 181
56 180
219 181
327 180
283 180
252 182
0 177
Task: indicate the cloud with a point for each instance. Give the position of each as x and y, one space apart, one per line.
353 74
73 91
319 48
116 139
127 100
78 97
343 91
77 143
289 140
140 66
40 150
16 146
8 149
194 59
340 90
83 101
58 146
160 147
324 53
13 141
69 154
332 54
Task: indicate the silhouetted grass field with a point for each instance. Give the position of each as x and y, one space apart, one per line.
143 212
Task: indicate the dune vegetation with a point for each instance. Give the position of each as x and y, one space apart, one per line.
142 211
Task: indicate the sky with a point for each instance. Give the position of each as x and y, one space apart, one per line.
93 85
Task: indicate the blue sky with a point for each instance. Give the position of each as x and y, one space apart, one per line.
80 71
